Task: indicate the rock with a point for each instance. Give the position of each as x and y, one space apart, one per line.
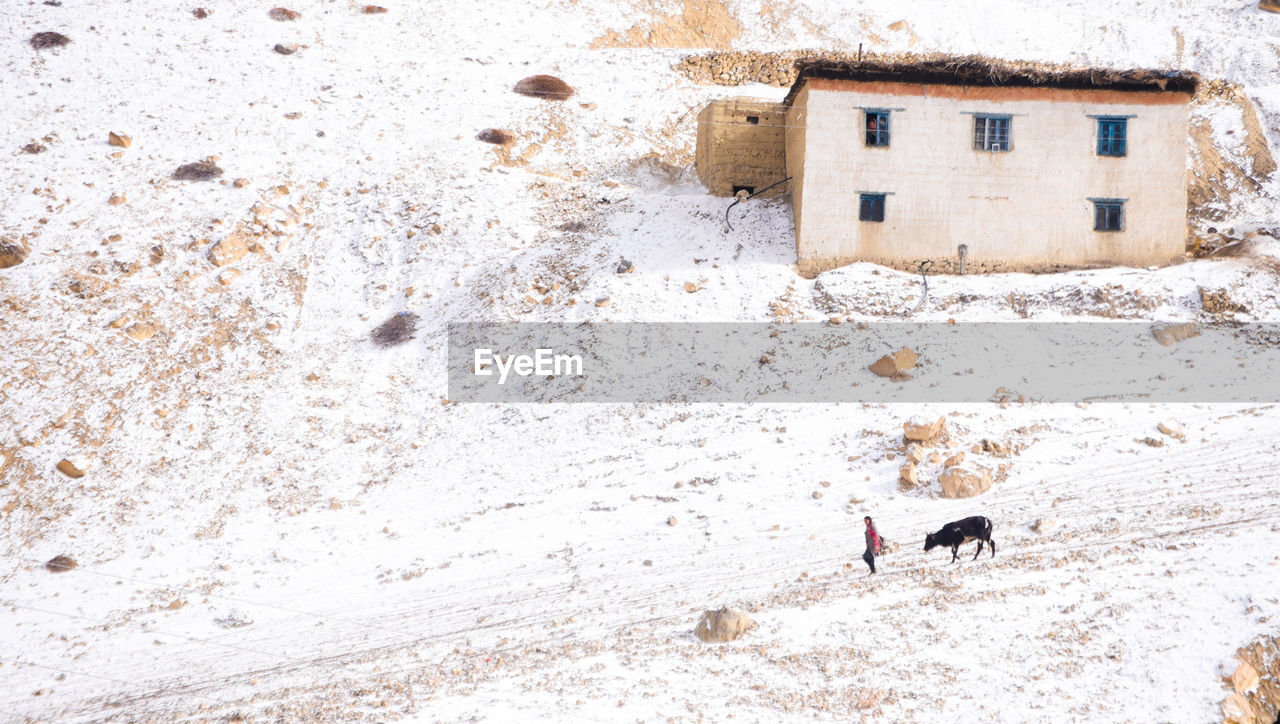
958 482
907 478
1245 678
197 171
625 267
373 10
922 430
1271 6
240 183
1152 442
993 447
895 365
1236 709
1172 428
60 564
48 39
671 520
234 619
722 625
283 14
690 287
545 87
116 199
915 453
229 250
228 276
817 494
1169 334
285 48
119 139
954 460
140 331
13 253
68 468
496 136
1042 526
602 302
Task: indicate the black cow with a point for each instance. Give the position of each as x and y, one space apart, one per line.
958 533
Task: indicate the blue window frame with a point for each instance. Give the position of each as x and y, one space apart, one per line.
1108 214
991 133
877 124
1111 136
871 207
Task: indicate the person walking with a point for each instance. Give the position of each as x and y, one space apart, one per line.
873 544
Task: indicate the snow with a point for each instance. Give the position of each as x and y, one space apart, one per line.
392 555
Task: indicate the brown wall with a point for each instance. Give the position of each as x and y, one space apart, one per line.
732 151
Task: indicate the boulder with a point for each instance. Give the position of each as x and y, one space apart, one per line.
69 469
13 252
907 478
722 625
119 139
959 482
1169 334
60 564
954 460
140 331
915 453
1172 428
229 250
923 430
1245 678
895 365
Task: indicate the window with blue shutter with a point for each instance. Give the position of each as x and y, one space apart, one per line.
1111 136
1108 214
871 207
877 123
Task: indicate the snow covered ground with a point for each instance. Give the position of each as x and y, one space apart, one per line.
281 519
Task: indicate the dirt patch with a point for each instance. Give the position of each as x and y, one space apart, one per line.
198 171
48 39
546 87
395 331
698 24
1216 175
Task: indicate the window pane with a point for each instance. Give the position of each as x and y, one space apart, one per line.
871 207
877 130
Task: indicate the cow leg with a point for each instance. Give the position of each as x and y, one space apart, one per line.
955 553
975 555
993 547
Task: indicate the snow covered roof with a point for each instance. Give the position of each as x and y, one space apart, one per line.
981 70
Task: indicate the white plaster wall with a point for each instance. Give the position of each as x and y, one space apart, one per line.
1027 208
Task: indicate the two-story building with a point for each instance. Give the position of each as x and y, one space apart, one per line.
962 161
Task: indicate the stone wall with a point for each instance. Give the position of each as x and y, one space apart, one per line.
740 144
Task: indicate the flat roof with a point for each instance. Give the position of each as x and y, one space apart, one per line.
976 70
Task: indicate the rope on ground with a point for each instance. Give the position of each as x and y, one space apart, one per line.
924 281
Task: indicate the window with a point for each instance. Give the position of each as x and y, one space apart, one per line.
877 128
753 120
1108 214
871 207
991 133
1111 133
